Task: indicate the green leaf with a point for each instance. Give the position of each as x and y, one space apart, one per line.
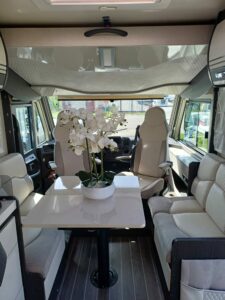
83 175
92 183
87 178
109 176
86 182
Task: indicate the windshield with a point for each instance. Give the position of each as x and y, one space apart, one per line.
134 109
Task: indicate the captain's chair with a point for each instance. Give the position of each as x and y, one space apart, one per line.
150 163
66 161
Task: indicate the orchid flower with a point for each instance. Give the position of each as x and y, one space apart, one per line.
91 132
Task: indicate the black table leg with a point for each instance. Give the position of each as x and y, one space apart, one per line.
103 277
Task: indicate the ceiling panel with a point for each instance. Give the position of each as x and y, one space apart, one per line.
135 69
26 12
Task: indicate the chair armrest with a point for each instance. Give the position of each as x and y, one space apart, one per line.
166 165
52 165
98 161
192 248
124 158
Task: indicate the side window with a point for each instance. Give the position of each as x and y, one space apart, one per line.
22 114
41 131
195 125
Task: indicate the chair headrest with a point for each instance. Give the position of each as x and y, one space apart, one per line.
155 116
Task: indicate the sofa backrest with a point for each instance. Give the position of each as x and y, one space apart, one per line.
206 175
16 180
215 202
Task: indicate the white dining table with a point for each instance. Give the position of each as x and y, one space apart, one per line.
64 206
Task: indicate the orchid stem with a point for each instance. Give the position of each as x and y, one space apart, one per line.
89 154
102 166
94 166
89 158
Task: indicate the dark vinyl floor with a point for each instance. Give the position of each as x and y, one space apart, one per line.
131 257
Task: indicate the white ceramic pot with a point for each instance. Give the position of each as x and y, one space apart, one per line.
98 193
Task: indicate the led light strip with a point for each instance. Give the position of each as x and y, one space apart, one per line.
100 2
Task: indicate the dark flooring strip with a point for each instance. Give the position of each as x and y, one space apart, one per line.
131 257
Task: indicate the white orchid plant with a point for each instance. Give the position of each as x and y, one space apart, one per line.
90 132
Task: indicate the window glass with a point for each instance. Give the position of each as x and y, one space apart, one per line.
23 118
41 135
195 125
134 109
219 132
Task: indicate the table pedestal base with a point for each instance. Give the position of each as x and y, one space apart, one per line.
103 277
112 279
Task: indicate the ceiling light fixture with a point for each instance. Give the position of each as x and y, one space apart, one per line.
101 2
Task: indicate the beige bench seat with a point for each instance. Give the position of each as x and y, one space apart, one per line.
169 227
44 248
174 205
207 223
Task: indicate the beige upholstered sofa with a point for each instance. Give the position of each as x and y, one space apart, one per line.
44 248
189 235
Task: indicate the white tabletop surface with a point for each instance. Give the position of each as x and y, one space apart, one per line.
67 185
70 209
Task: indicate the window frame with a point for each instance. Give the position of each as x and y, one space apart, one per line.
30 118
38 106
181 118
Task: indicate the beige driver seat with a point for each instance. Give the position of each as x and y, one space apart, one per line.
151 153
67 163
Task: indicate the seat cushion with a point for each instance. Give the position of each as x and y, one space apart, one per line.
165 232
197 225
171 226
40 253
159 204
149 185
204 274
188 204
29 203
30 234
173 205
